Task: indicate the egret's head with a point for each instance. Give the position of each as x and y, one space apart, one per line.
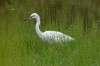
33 15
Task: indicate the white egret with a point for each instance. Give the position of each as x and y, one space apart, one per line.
49 36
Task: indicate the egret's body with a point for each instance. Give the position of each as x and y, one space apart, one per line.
55 36
49 36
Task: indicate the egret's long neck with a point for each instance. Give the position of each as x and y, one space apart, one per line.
37 26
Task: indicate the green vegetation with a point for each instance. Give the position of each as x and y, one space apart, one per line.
20 45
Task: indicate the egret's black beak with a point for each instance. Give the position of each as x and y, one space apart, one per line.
26 19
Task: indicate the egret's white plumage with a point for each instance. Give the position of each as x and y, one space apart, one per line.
49 36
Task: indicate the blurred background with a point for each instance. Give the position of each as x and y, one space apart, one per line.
20 45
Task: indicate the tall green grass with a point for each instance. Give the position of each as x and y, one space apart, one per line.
20 45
